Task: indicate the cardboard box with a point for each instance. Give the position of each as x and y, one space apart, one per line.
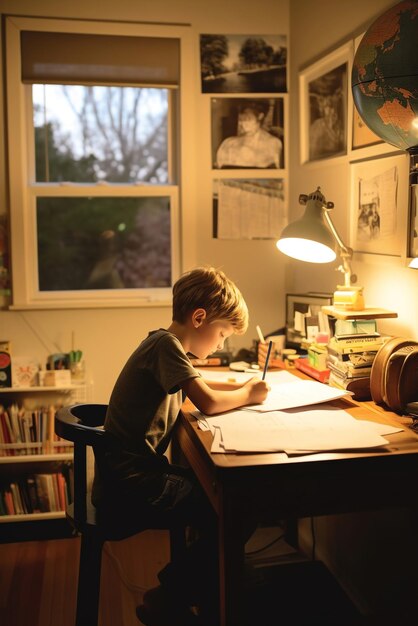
55 378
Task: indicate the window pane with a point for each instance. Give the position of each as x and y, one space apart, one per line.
92 134
103 243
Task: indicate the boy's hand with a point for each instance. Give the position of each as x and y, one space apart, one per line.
257 390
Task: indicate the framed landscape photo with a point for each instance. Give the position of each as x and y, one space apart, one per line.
323 91
243 63
379 205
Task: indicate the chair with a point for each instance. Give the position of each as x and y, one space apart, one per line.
81 424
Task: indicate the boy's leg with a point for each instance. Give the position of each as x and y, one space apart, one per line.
193 576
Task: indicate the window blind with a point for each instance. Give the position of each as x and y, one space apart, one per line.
49 57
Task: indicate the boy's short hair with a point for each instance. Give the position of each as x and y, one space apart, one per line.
210 289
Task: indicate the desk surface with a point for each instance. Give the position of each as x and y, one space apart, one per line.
299 486
368 478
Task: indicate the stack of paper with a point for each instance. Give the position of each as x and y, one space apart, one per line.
296 418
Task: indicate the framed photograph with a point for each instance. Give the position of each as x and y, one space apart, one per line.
413 224
379 205
243 63
249 208
364 142
304 316
323 94
248 133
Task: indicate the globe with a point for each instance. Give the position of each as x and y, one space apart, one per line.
385 76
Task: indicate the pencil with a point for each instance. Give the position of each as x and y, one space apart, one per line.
260 334
267 360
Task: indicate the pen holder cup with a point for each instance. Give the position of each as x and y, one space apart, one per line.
276 351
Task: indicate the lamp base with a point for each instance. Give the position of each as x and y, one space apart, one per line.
349 298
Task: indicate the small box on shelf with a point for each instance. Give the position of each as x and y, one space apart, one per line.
55 378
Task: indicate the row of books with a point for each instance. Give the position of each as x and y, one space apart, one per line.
38 493
29 432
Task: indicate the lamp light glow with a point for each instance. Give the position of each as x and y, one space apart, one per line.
306 250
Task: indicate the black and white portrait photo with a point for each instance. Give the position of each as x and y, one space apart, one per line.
328 114
243 63
247 133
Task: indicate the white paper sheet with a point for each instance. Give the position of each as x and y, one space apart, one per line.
293 431
296 394
281 376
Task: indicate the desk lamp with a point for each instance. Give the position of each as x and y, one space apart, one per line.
313 238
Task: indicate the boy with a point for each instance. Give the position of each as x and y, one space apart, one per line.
144 405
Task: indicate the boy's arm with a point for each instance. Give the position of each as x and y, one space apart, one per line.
220 397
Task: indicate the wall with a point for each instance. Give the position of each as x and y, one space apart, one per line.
108 336
388 284
373 555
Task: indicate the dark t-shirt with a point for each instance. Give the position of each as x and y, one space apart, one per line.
143 409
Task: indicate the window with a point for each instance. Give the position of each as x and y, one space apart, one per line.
94 156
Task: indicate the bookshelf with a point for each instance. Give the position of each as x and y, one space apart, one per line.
38 468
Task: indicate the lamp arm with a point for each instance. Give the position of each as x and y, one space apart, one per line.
346 253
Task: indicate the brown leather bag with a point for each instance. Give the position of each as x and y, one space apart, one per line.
394 375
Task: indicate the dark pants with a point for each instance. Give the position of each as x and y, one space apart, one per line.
191 576
170 497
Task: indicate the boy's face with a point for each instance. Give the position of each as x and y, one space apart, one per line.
210 337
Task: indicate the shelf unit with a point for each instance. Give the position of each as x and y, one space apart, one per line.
368 313
18 461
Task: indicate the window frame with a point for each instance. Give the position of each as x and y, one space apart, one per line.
23 190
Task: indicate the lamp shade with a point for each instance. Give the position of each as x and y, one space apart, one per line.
309 238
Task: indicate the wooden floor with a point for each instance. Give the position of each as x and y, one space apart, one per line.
38 579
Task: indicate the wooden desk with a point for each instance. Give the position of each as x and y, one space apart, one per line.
301 486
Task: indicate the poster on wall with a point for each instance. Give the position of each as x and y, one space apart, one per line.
248 208
248 133
379 205
243 63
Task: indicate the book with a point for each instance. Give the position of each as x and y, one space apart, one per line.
33 495
42 491
360 387
61 491
346 346
303 365
357 338
211 361
350 371
17 502
355 327
8 501
356 358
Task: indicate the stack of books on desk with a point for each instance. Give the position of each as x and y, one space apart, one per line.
350 355
315 363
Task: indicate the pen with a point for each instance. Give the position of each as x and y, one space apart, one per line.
267 360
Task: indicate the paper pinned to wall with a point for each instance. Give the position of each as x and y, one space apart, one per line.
249 208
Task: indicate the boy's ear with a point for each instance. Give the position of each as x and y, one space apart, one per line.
198 317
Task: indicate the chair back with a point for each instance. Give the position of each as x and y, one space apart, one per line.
82 424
